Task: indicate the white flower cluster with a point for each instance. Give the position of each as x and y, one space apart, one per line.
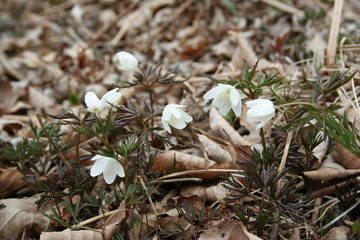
224 98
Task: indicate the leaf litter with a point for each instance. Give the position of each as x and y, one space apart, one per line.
210 180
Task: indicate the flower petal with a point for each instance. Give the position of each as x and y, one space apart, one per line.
186 117
166 115
258 102
177 123
91 100
165 123
234 96
112 97
98 167
212 92
261 110
110 171
119 170
175 112
225 109
237 108
125 61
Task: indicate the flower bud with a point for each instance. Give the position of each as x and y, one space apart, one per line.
261 110
125 61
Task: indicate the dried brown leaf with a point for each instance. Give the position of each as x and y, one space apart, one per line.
219 124
74 235
327 175
177 161
214 150
231 230
11 181
323 182
21 214
210 194
337 233
103 233
8 97
346 158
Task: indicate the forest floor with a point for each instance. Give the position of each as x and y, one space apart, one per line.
219 175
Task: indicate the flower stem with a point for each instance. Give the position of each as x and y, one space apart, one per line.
263 142
151 106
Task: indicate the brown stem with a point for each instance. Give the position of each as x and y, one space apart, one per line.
263 142
38 116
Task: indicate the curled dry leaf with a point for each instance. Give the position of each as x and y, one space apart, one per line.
8 97
11 181
75 235
330 164
214 150
328 175
178 161
336 233
219 124
20 214
321 150
174 161
231 230
210 194
104 233
346 158
322 182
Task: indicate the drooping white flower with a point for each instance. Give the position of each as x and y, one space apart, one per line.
226 97
174 116
261 110
125 61
108 166
96 105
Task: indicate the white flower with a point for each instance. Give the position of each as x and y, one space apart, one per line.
174 116
125 61
96 105
77 13
261 110
108 166
225 97
112 97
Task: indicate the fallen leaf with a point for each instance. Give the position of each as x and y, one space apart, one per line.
337 233
327 175
73 235
346 158
173 161
11 181
8 97
323 182
219 124
214 150
230 230
21 214
104 233
210 194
